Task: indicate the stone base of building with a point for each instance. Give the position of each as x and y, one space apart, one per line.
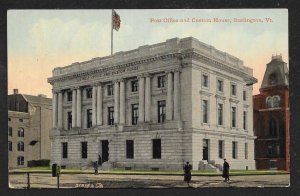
177 147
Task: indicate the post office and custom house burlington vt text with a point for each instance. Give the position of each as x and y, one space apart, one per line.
155 107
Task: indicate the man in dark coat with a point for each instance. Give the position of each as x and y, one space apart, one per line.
187 173
226 171
96 167
99 160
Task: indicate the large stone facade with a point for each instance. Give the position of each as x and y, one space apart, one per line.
29 123
171 90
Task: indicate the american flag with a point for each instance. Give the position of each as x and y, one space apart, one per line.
116 21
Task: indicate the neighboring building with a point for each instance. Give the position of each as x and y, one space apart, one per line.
29 122
271 118
155 107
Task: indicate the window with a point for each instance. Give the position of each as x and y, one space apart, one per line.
9 119
276 100
110 112
234 150
84 150
110 89
205 111
20 146
205 80
221 149
21 132
246 150
244 95
129 149
134 113
20 160
89 93
64 150
245 120
233 89
134 86
233 116
69 96
161 111
273 128
9 131
269 102
9 145
220 84
156 143
69 120
273 164
161 81
273 79
89 118
220 114
21 120
273 150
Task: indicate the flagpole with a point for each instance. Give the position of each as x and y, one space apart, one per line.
112 34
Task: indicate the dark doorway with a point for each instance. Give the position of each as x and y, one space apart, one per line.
105 149
205 149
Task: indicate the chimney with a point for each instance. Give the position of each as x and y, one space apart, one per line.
16 91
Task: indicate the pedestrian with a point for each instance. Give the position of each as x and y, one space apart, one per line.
187 173
99 160
226 171
96 167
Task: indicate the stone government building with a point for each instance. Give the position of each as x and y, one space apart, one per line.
155 107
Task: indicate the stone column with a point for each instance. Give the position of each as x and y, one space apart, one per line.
117 102
148 99
99 105
177 95
169 107
60 111
74 113
94 106
78 118
141 99
54 109
122 102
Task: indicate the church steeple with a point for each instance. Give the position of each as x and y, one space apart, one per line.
276 73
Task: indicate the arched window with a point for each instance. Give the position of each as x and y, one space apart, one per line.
273 128
21 146
20 160
269 102
21 132
276 100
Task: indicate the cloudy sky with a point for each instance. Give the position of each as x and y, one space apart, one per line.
40 40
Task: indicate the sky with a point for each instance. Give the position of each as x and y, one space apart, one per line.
40 40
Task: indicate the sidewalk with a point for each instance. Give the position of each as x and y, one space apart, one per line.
145 181
146 172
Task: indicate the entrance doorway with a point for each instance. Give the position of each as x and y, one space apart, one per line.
105 149
205 149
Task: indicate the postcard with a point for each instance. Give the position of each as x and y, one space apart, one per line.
140 98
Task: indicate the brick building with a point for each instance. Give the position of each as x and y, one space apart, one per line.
29 122
155 107
271 118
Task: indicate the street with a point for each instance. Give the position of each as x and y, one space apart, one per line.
143 181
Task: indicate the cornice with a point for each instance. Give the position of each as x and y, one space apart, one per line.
220 97
202 92
222 66
234 100
92 71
